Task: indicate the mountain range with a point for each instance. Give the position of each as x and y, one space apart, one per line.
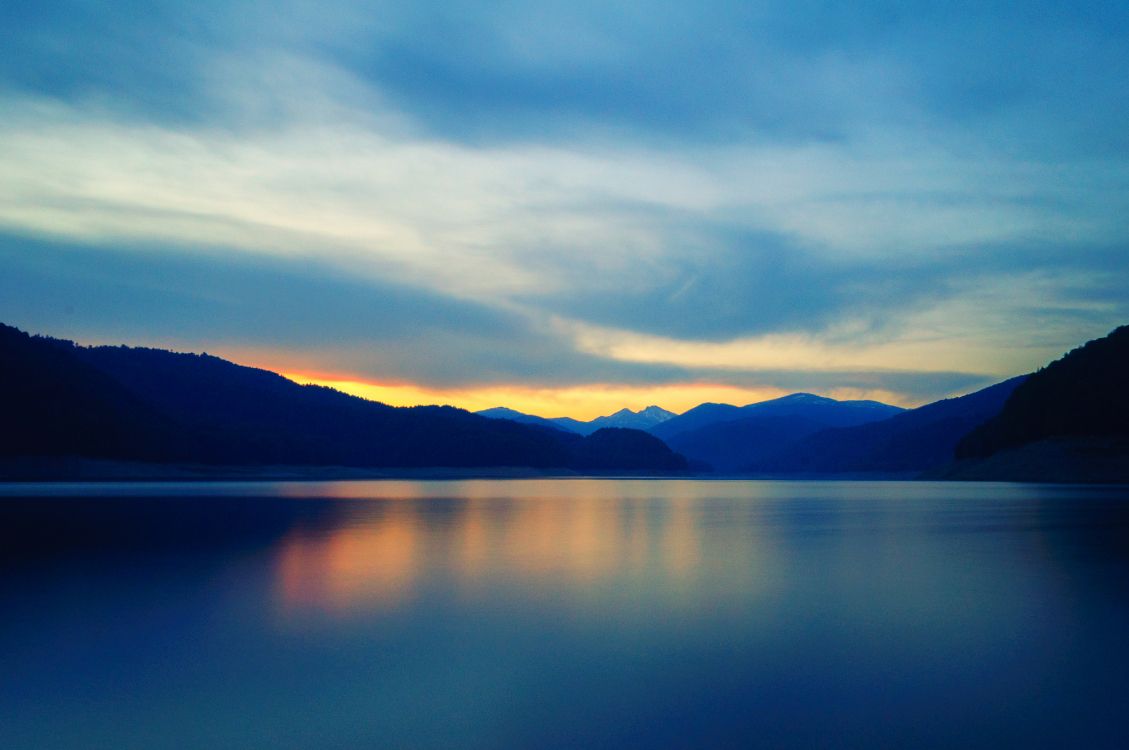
1067 422
731 439
727 438
907 443
827 411
644 419
60 399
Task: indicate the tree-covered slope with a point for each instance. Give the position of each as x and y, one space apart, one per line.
1083 394
154 405
910 442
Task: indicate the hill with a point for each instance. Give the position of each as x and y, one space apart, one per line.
827 412
908 443
1067 422
731 446
53 403
1057 459
121 403
730 438
619 448
502 412
1084 393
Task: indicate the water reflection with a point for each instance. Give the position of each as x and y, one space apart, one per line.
563 614
396 536
372 563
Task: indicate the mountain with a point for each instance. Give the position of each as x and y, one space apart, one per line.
54 403
572 425
907 443
501 412
1067 422
567 424
828 412
61 399
1086 392
611 448
700 416
729 438
636 420
733 445
644 419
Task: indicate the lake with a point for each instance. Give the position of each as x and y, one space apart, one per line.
566 613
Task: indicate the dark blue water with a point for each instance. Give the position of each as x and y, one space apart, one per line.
563 614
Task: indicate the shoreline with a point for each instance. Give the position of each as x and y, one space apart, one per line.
80 470
73 470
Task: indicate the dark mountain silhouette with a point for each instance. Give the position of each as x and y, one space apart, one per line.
572 425
637 420
612 448
732 446
1067 422
731 438
700 416
1086 392
806 406
61 399
502 412
908 443
53 403
568 424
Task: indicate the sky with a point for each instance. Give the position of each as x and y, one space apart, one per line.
572 207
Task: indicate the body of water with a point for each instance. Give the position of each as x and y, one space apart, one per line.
563 614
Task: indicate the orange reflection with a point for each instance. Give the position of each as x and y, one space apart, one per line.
680 540
372 564
543 535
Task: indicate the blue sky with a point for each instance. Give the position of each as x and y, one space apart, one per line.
582 202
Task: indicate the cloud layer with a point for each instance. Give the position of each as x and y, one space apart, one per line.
907 199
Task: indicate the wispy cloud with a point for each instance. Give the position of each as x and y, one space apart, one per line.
567 193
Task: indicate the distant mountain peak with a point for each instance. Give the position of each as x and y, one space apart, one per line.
827 411
811 399
500 412
504 412
644 419
803 397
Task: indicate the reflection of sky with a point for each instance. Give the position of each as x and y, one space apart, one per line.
583 542
563 614
533 202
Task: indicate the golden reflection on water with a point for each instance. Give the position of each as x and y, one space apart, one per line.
542 535
336 569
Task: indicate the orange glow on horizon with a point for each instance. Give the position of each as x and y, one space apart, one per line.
582 402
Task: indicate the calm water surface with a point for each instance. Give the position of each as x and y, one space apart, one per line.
563 614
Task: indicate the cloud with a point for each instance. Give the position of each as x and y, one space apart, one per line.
1027 79
456 190
292 309
782 72
299 317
